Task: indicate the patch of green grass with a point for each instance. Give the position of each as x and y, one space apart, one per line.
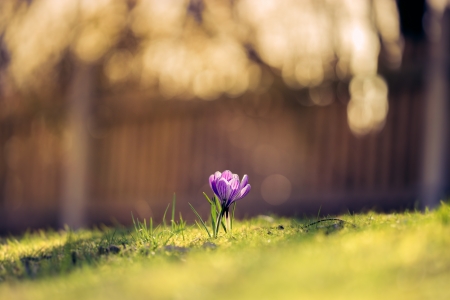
363 256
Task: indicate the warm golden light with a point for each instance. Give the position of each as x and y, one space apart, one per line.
119 66
186 50
387 21
368 105
293 36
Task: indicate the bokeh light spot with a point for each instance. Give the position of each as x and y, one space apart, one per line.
276 189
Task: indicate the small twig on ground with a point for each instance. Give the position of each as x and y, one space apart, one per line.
329 219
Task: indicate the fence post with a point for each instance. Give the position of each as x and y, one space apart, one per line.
75 195
436 115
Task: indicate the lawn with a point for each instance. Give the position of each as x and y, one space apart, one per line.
361 256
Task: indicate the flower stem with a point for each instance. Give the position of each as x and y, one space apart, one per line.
228 220
218 221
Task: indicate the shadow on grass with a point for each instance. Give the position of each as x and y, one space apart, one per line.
58 260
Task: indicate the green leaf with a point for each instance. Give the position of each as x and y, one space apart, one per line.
213 216
207 198
219 221
218 204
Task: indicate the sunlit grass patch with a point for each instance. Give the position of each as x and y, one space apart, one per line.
362 256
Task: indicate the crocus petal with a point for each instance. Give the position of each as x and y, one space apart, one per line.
234 186
217 175
236 176
223 189
243 192
244 181
212 184
211 180
227 197
227 175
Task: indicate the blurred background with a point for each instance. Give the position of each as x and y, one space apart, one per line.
110 107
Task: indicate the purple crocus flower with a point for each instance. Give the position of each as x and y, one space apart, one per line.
227 187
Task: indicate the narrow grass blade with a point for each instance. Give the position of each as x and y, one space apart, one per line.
111 240
164 216
199 226
223 225
200 218
173 211
182 226
168 239
150 221
134 222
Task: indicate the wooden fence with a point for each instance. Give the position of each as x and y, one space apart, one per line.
299 158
